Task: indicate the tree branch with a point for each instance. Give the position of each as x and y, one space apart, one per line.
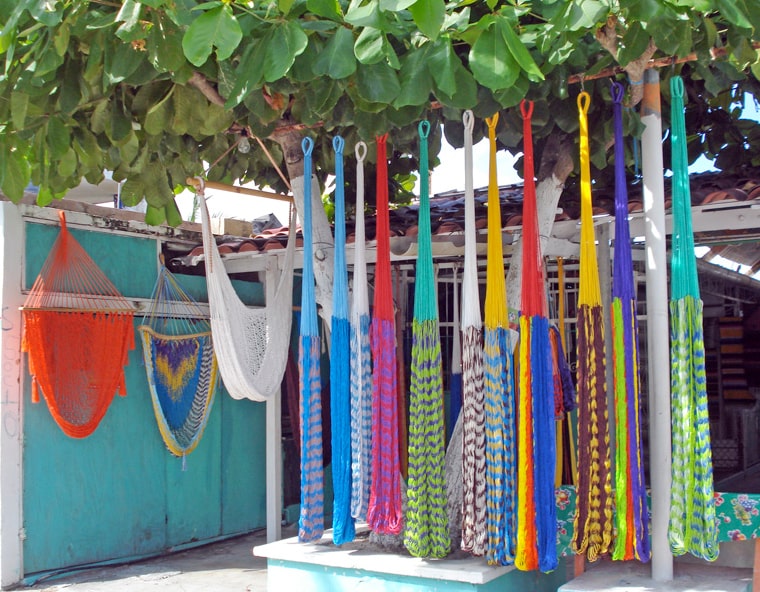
207 89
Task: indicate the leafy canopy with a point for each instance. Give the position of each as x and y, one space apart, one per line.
152 89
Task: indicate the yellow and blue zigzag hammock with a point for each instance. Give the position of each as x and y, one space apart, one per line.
180 364
592 528
340 367
427 530
536 456
632 514
311 521
501 456
473 393
361 359
692 526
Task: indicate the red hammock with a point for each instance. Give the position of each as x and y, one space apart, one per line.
77 331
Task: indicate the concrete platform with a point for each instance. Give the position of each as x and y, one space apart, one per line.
225 566
632 576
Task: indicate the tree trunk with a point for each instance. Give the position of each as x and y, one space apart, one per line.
324 244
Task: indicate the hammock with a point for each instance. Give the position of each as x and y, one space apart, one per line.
692 507
592 529
180 364
77 330
340 367
473 411
311 519
536 517
427 530
251 343
499 406
361 360
632 514
384 514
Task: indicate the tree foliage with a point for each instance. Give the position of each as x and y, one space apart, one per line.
153 89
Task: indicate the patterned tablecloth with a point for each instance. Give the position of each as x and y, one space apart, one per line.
738 516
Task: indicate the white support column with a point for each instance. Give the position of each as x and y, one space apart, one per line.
658 334
11 436
273 436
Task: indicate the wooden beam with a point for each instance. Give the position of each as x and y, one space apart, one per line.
193 182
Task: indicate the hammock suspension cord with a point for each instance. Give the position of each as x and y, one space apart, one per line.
427 531
631 517
311 519
361 359
473 393
592 531
692 526
499 400
384 514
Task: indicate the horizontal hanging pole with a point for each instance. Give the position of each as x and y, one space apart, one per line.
192 181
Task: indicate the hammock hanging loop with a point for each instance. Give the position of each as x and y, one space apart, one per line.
584 101
307 145
468 119
617 91
338 144
526 108
361 151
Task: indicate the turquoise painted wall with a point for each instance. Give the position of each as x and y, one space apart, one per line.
119 493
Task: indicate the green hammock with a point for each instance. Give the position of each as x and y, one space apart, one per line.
692 507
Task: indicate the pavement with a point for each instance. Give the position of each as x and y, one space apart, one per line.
227 566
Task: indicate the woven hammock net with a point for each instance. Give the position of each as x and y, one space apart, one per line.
180 364
251 343
77 331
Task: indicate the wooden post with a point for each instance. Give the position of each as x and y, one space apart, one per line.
273 436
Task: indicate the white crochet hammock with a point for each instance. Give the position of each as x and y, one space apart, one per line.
251 343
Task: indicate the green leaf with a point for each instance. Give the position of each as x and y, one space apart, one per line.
159 115
736 11
509 97
216 120
466 94
61 39
129 17
67 164
416 80
755 69
249 73
284 45
369 46
337 58
377 83
635 43
587 14
442 65
132 191
491 61
45 12
519 51
329 9
218 28
285 5
58 137
120 62
120 125
367 15
19 105
395 5
429 15
17 175
155 216
165 45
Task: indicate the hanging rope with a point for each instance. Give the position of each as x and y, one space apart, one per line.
311 520
361 359
77 330
692 507
384 514
427 531
499 410
536 518
592 531
179 363
632 514
473 393
340 367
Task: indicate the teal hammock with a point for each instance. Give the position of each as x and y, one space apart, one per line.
427 531
692 526
180 364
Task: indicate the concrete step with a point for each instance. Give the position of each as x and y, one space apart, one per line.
632 576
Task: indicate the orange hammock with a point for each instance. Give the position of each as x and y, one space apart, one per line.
77 331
